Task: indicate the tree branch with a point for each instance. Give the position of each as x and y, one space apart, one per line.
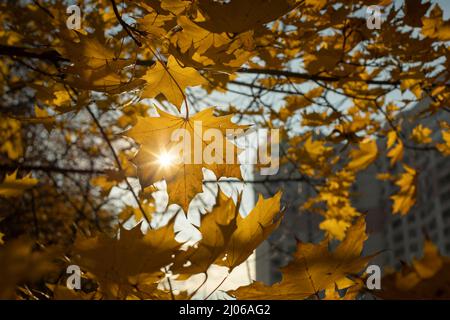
28 167
307 76
119 164
14 51
124 25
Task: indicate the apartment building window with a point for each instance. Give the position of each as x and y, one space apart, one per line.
430 206
443 181
434 238
397 223
398 238
399 252
432 225
412 233
442 164
445 197
411 217
423 213
446 214
413 247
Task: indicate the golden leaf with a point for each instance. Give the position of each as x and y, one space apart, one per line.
444 148
240 16
252 230
118 264
217 229
426 278
13 187
183 174
421 134
396 153
315 269
170 80
406 197
364 156
10 137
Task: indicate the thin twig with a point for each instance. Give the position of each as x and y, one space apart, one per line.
119 164
124 25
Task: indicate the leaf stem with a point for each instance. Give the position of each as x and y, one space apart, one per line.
218 286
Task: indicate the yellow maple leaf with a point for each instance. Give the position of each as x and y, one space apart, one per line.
196 37
391 138
61 292
13 187
240 16
170 80
421 134
94 65
335 228
396 153
444 148
364 156
406 197
315 268
22 262
217 228
351 293
425 278
175 6
252 231
317 4
434 26
117 264
158 157
10 137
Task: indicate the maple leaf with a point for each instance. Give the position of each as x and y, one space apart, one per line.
317 4
10 137
425 278
151 292
252 230
196 37
315 268
61 292
421 134
444 148
118 264
351 293
240 16
175 6
364 156
170 80
13 187
414 11
335 227
434 26
95 66
183 178
217 229
406 197
20 263
396 153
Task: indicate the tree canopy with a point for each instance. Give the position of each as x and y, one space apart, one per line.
87 114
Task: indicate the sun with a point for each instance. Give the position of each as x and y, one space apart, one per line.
165 159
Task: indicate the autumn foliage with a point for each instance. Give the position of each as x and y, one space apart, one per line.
86 115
